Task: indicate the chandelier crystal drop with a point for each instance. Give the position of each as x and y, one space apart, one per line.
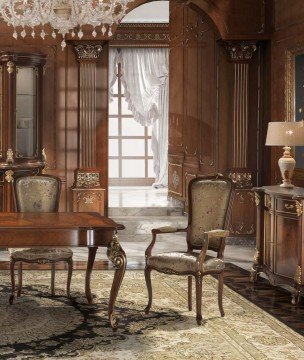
64 16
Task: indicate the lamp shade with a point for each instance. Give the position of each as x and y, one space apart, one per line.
285 133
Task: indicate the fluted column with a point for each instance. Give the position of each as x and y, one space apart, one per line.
88 56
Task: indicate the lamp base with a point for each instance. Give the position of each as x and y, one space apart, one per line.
287 164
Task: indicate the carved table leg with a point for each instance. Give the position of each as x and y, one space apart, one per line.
118 257
91 259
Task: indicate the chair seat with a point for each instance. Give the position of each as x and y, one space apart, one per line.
34 254
179 261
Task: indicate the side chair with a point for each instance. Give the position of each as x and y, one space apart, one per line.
210 202
36 194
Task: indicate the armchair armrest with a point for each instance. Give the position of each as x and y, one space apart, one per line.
167 229
161 230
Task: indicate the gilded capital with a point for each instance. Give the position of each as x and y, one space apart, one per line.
88 51
240 51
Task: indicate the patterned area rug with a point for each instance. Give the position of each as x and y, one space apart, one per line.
38 326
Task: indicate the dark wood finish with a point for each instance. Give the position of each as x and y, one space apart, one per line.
280 238
214 117
90 263
66 229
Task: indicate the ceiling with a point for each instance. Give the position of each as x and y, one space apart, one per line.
153 12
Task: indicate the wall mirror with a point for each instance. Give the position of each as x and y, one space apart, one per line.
295 98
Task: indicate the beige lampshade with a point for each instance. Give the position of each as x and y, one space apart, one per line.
285 133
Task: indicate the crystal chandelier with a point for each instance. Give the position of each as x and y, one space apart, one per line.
64 16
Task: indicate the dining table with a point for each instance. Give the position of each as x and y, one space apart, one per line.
70 229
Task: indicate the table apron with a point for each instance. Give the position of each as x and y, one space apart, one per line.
54 237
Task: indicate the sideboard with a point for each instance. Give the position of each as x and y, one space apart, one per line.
280 238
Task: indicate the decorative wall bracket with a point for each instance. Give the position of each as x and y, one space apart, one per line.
240 51
88 52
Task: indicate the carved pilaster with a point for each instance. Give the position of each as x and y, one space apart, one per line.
87 56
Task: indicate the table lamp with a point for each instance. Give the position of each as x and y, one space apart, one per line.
286 134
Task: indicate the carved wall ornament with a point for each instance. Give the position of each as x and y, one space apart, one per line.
257 198
241 228
9 156
299 208
256 258
298 275
88 199
141 37
175 179
240 50
9 176
242 179
88 51
87 179
10 67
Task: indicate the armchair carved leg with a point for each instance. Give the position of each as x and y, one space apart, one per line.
149 288
12 271
53 279
198 286
91 259
220 293
190 293
70 272
117 256
19 279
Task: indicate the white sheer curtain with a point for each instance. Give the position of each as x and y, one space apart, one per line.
145 79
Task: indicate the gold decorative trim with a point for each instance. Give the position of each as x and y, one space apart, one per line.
299 208
88 52
240 50
257 199
241 179
256 258
9 176
87 180
10 67
9 156
298 275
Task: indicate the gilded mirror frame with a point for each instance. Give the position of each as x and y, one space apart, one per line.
290 96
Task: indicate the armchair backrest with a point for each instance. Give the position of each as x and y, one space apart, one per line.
209 208
37 193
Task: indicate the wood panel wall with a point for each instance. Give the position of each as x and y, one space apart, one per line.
216 110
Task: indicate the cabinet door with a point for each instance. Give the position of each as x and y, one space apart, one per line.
26 112
268 243
286 246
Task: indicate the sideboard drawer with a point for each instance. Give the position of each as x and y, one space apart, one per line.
286 206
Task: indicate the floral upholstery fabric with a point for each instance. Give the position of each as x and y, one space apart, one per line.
183 262
34 254
37 194
210 199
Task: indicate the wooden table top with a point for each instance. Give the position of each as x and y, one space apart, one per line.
61 220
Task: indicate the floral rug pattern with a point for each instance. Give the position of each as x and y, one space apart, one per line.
38 326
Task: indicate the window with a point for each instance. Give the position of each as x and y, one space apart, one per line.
130 154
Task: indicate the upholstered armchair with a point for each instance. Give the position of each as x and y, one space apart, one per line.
210 200
39 193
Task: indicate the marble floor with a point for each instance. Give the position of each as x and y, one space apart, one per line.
142 209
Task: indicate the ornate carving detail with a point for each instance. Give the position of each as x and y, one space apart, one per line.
256 258
268 201
87 179
88 51
115 254
141 37
299 208
240 50
9 156
9 176
257 199
175 179
298 275
113 321
10 67
88 199
241 228
242 179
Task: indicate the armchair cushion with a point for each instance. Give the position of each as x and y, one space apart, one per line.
34 254
183 262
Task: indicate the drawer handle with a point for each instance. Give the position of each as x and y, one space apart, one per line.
289 207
